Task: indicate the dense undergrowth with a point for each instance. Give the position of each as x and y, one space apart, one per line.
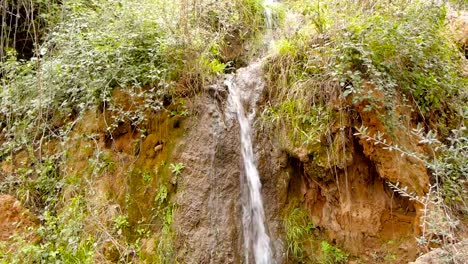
143 47
392 47
155 52
337 56
83 53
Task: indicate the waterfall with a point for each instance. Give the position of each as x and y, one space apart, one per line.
255 236
256 239
268 4
269 22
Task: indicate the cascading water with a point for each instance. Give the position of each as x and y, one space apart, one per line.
268 13
255 236
256 239
269 21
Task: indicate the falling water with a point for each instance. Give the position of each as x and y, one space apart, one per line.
256 239
268 13
255 236
269 21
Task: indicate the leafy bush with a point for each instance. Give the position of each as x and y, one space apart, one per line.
450 167
62 239
393 46
403 48
39 188
331 254
142 47
446 199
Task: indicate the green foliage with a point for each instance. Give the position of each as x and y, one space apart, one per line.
451 169
390 257
147 177
401 47
216 66
141 47
38 187
316 12
176 168
87 57
161 196
62 239
459 4
101 162
165 248
331 254
286 48
120 223
343 47
299 229
164 251
307 122
301 242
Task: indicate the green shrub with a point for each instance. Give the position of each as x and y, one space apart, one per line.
142 47
398 48
38 188
402 48
331 254
299 229
62 239
450 168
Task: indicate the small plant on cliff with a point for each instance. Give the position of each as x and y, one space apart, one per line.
176 168
299 229
164 213
120 223
61 239
165 248
331 254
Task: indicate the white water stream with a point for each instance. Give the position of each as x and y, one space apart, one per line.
255 236
269 22
256 239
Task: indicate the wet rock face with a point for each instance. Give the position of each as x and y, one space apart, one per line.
273 191
208 219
